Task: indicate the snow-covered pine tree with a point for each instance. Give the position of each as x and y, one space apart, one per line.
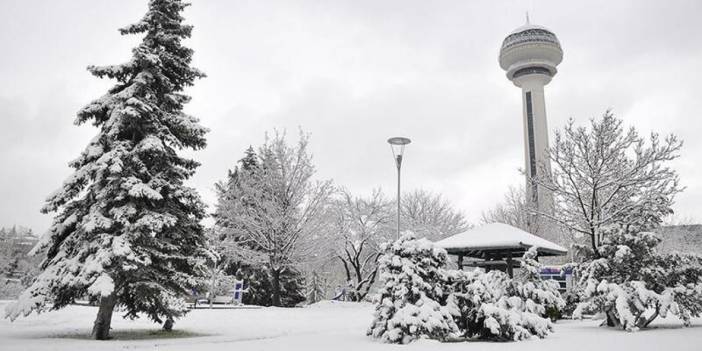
411 293
494 307
292 287
540 296
127 231
633 284
316 288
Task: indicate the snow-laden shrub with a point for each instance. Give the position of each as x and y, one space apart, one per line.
572 301
482 308
633 285
493 306
418 298
541 296
411 293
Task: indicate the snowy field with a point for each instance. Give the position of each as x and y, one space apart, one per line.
325 326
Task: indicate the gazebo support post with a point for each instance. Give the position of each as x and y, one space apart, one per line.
510 271
460 262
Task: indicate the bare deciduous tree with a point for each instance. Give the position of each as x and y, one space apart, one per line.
360 225
280 207
604 176
430 215
513 210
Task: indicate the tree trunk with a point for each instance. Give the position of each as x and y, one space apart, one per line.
646 322
275 284
593 242
612 320
168 324
212 284
101 328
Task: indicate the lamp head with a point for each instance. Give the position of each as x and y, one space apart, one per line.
397 145
399 141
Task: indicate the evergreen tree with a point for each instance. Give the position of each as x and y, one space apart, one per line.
540 296
259 289
316 289
633 284
257 283
232 243
250 160
492 306
418 298
229 193
411 293
127 231
292 287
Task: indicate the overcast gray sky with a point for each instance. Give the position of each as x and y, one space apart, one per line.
353 73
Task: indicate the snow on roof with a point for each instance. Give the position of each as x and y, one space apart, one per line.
495 236
529 26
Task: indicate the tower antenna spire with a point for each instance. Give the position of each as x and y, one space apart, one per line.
527 17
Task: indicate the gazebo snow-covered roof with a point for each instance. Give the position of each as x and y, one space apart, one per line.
499 237
495 245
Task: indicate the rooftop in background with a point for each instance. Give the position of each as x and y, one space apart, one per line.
680 238
495 237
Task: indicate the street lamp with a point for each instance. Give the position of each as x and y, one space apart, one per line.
397 145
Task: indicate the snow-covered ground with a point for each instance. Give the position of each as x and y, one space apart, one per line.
324 326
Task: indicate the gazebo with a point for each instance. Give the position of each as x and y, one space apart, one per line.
495 246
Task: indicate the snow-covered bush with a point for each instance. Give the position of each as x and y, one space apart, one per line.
632 284
411 293
540 295
480 306
418 298
572 301
493 306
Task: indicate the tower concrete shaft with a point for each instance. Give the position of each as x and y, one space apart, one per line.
535 142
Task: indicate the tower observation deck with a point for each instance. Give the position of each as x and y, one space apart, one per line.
529 55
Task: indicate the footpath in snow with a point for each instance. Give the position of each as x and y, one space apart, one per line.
324 326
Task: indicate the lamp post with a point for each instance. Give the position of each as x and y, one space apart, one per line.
397 145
